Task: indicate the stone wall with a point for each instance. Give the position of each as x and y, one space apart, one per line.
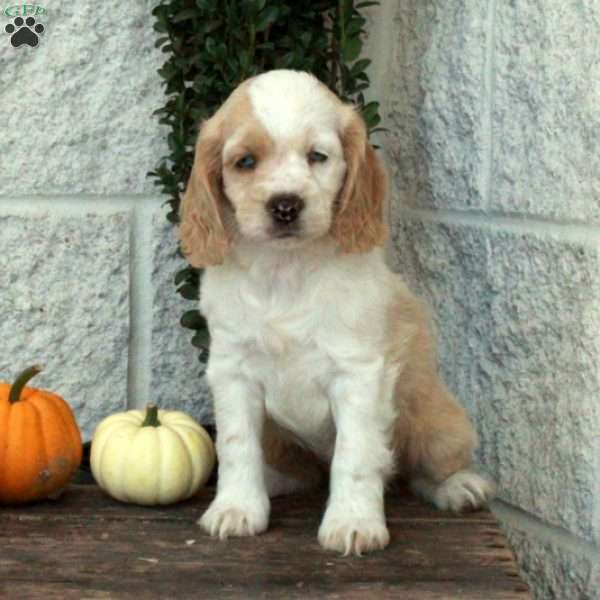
493 112
493 116
86 255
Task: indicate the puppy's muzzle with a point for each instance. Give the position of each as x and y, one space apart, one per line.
285 208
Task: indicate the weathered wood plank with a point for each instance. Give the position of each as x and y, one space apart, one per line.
91 501
88 546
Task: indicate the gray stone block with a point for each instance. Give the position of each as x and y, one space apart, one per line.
78 107
65 303
519 327
177 375
436 142
545 109
493 106
555 564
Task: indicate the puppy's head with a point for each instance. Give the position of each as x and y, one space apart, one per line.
283 162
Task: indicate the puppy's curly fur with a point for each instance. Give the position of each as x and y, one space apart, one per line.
320 354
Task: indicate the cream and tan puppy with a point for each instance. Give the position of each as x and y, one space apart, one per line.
320 354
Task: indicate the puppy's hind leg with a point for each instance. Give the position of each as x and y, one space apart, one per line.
288 467
436 442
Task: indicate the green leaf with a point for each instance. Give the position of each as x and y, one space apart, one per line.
173 217
220 52
266 17
370 113
266 46
355 27
192 319
188 291
209 44
186 13
160 41
359 66
351 49
372 121
244 57
160 27
371 107
201 339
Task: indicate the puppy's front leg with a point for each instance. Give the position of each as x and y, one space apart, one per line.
354 521
241 506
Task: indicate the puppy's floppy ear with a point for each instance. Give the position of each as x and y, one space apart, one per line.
204 231
358 224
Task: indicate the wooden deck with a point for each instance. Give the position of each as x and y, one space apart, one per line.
87 546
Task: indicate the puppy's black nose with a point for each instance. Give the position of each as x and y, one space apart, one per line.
285 208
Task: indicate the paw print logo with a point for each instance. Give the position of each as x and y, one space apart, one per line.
24 32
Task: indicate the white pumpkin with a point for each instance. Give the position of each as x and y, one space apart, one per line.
151 457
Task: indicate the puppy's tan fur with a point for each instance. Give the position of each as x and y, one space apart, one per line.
321 356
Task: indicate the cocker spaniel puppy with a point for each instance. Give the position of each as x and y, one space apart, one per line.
320 355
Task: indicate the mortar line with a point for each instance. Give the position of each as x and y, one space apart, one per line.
531 524
83 196
139 366
66 205
570 231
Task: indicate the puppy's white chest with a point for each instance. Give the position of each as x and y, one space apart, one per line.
277 320
293 371
281 325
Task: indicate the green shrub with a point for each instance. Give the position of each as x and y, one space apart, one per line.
213 45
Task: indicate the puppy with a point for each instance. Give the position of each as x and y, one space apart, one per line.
320 355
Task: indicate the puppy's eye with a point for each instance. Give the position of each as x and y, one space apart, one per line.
247 162
316 157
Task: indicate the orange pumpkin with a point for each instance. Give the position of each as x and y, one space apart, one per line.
40 443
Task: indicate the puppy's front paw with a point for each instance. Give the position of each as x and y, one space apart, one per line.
352 534
226 517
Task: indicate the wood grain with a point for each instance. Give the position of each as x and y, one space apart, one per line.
89 546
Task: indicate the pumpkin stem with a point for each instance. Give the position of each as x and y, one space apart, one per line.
151 419
21 382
